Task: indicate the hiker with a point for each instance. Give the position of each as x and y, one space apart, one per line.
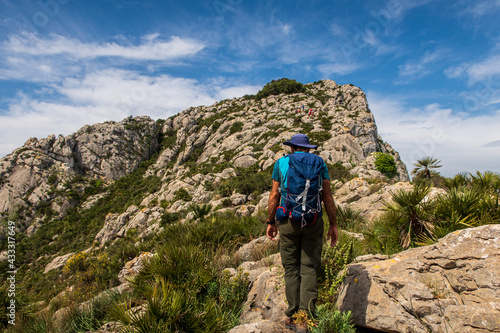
301 235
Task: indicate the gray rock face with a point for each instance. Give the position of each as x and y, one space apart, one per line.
108 151
451 286
264 310
58 262
369 200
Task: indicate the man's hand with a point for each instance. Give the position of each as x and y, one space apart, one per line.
333 235
272 231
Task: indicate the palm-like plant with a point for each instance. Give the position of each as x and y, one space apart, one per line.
459 180
201 211
424 166
410 209
167 309
487 181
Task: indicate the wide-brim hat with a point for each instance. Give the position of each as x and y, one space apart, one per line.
300 140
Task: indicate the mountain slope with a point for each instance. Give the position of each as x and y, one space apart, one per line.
201 147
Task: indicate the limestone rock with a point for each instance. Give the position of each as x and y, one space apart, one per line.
451 286
266 303
245 161
238 199
132 267
257 246
369 199
57 262
105 151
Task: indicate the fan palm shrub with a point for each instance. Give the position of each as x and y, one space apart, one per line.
410 213
424 166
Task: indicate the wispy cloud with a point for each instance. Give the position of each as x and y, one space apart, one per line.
481 8
416 69
485 72
110 94
33 58
461 143
337 68
151 48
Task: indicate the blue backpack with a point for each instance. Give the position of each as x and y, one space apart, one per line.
302 203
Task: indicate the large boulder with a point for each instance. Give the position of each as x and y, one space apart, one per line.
451 286
264 310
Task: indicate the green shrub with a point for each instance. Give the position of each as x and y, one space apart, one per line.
201 211
236 127
250 180
319 137
169 218
334 260
338 171
326 122
281 86
385 163
182 194
52 179
330 320
183 286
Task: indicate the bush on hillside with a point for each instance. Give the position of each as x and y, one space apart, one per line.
385 163
281 86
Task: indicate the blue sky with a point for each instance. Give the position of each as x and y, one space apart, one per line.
430 69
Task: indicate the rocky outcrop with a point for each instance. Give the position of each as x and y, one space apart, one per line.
370 199
43 172
139 222
58 262
264 310
451 286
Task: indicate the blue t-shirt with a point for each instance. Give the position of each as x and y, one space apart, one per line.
280 172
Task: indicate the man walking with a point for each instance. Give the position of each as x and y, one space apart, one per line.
300 244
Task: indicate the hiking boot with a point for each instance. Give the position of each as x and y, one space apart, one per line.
302 328
290 324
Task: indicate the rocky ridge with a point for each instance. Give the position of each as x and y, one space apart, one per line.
202 148
43 172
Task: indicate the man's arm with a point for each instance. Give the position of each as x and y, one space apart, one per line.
331 211
274 198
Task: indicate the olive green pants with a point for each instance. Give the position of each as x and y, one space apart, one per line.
301 257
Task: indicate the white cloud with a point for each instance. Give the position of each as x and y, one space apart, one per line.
31 58
337 68
481 8
462 144
105 95
151 49
416 69
484 69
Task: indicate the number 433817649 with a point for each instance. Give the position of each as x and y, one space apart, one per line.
11 247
